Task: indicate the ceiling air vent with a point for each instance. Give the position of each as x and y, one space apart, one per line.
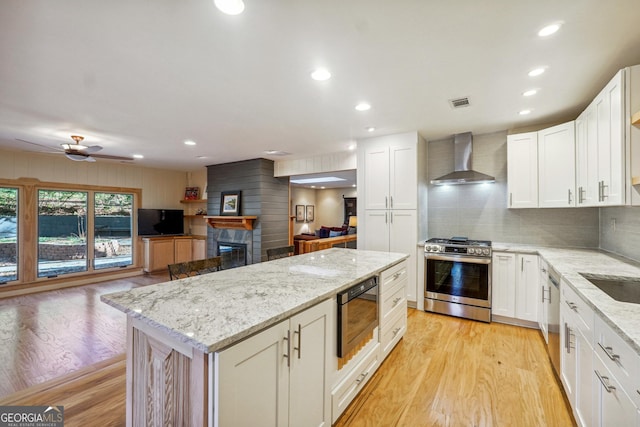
459 102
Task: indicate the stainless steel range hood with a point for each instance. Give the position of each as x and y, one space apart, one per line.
463 174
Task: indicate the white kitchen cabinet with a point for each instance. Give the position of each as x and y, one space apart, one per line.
503 279
278 376
600 142
576 353
613 407
522 170
388 179
392 231
390 173
515 281
393 307
557 166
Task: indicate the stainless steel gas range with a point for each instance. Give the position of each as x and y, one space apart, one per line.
458 277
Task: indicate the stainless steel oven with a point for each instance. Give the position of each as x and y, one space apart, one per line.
458 277
357 314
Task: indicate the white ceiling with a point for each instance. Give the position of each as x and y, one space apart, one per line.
142 76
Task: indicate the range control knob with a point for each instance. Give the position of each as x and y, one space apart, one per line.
485 251
471 251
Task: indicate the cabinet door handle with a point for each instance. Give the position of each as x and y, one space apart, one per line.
391 202
286 356
386 202
362 377
385 218
609 352
299 347
572 306
396 301
521 264
600 190
605 382
569 195
510 199
604 196
567 337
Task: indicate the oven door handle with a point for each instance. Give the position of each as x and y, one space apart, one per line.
469 260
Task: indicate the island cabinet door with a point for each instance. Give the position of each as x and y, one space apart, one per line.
252 379
278 377
310 398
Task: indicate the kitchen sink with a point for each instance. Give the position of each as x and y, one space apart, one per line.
623 289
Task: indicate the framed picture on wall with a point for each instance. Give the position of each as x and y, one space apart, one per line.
299 213
230 203
310 213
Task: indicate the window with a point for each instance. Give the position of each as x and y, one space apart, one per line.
62 232
8 234
112 230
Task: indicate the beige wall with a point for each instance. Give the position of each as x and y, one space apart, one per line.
160 188
330 206
303 196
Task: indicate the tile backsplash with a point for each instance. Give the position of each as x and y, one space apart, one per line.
480 210
620 231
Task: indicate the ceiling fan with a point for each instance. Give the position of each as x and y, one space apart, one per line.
80 153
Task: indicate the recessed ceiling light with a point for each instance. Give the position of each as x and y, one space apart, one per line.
352 147
321 74
370 129
313 186
524 112
189 142
353 185
201 157
536 71
530 92
230 7
138 156
549 29
363 106
322 188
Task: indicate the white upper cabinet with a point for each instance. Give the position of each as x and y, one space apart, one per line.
557 166
522 174
600 148
390 173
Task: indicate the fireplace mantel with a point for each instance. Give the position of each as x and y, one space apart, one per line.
235 222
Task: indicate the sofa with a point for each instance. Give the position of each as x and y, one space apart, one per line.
324 238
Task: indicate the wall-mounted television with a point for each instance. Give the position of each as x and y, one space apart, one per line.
160 222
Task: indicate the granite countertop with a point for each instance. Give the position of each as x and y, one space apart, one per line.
622 317
213 311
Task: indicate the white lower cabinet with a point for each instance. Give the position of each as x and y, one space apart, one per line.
514 286
278 376
393 306
576 353
613 407
344 392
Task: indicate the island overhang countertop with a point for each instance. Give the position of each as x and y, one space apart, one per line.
215 310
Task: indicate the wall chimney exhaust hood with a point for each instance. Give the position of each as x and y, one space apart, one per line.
463 174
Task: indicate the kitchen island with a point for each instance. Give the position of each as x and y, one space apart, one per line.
182 335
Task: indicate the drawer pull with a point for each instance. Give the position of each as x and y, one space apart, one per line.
362 377
609 352
396 330
396 301
398 274
605 382
572 306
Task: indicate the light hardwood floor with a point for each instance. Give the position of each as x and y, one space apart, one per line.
445 372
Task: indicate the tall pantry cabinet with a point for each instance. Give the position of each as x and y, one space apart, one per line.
391 186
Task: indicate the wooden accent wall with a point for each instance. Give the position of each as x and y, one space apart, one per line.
263 195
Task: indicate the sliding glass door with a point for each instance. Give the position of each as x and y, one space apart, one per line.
62 232
112 230
8 235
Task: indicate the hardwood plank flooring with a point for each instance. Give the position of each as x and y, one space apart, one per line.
456 372
51 334
445 372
